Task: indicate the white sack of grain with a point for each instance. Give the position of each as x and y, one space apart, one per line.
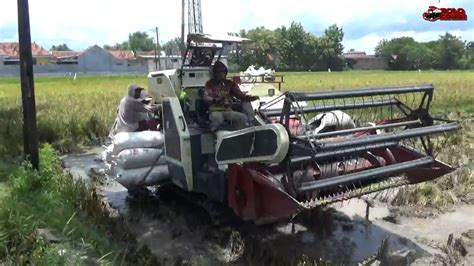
139 157
335 120
143 139
140 177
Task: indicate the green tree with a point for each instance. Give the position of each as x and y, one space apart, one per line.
450 51
118 46
60 47
300 49
261 52
335 36
290 48
401 52
467 61
404 53
331 48
172 46
140 41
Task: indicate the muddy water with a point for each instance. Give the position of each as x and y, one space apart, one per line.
177 231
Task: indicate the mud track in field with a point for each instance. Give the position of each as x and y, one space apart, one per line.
178 231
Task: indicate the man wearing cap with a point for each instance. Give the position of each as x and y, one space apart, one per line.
219 92
133 111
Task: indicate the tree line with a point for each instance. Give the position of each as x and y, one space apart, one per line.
297 50
137 41
448 52
294 49
290 48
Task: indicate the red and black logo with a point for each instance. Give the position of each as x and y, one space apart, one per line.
434 14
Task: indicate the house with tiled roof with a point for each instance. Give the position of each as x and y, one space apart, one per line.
10 52
123 54
93 60
65 57
127 55
363 61
97 59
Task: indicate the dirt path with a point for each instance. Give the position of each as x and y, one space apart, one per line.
177 231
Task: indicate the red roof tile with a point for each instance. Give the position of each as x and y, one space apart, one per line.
38 50
123 54
62 54
12 49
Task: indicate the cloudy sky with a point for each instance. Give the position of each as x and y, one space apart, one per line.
87 22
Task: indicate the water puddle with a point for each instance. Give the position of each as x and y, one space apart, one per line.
176 231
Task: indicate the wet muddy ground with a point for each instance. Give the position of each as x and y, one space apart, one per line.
177 231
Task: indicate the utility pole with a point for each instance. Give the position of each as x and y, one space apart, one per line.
156 60
182 29
157 48
194 16
30 136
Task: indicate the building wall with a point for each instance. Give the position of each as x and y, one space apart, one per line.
96 59
371 63
14 70
166 63
43 60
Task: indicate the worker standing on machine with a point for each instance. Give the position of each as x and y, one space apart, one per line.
219 92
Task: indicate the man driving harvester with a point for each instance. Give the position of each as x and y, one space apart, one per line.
219 92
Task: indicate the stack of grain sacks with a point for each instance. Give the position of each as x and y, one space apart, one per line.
257 75
136 159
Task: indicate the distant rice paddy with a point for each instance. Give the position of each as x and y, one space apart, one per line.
79 111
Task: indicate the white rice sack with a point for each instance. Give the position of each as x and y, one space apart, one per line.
143 139
139 157
338 120
131 178
107 154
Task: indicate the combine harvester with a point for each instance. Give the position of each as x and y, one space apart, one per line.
318 148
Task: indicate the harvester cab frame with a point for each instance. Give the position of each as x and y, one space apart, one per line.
188 82
317 148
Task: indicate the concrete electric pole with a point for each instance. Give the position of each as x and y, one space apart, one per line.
30 136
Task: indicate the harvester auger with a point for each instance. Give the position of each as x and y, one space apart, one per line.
342 144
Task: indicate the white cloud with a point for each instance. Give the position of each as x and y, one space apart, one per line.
366 43
86 22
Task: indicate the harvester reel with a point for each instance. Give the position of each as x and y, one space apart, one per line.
349 143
